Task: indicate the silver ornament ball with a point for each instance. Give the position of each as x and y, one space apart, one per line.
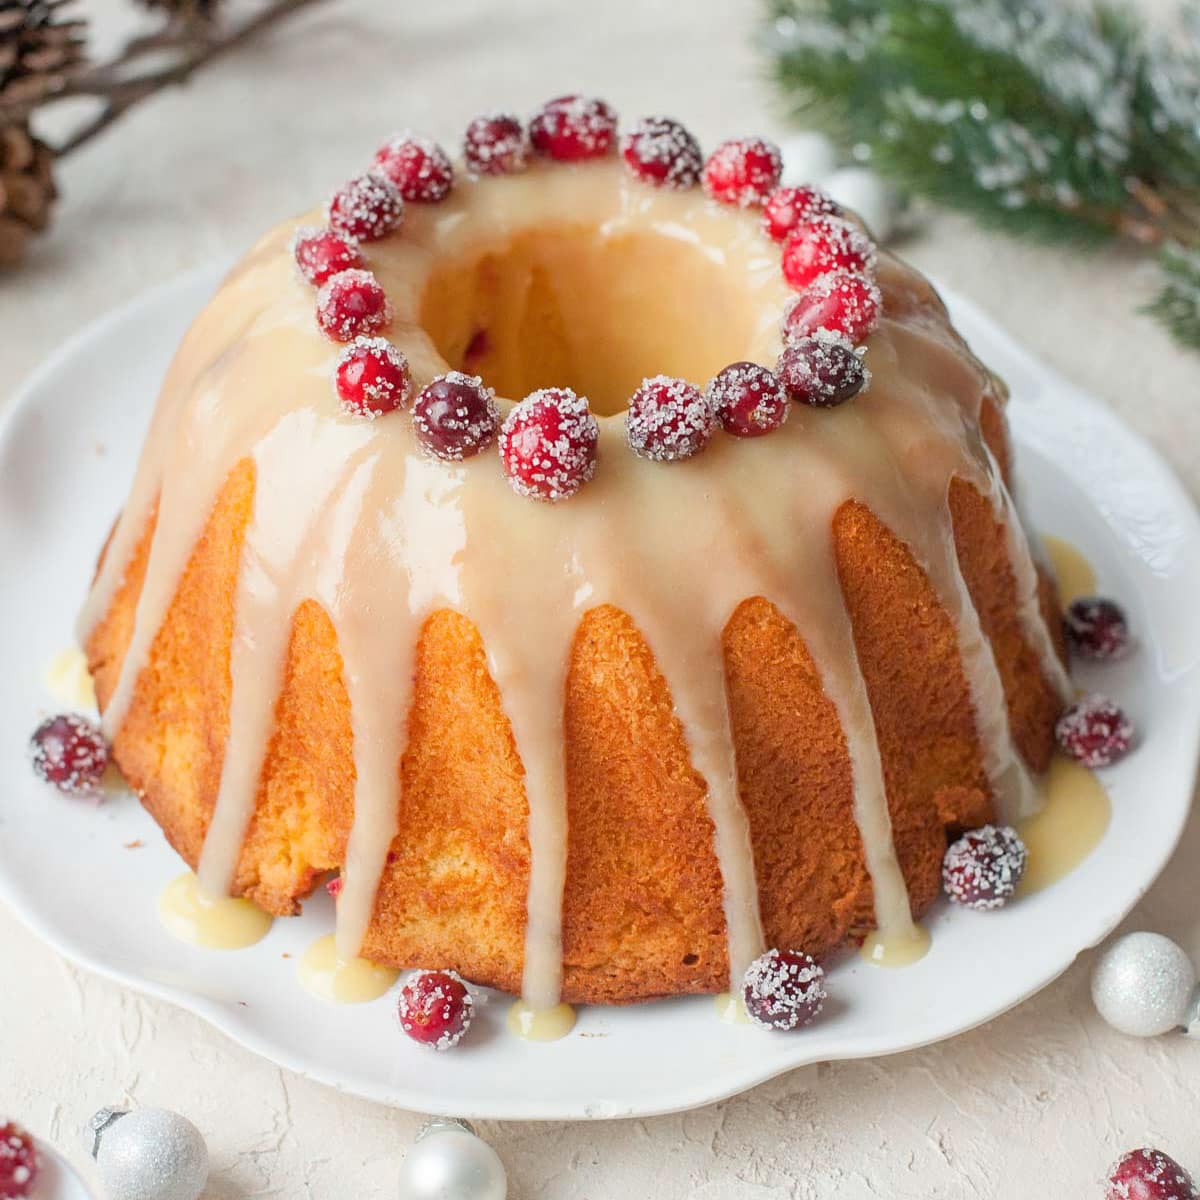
808 157
1143 984
867 193
150 1154
450 1162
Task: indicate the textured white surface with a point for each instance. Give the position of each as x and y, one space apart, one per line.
1036 1103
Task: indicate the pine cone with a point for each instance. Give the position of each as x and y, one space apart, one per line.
186 12
38 53
26 189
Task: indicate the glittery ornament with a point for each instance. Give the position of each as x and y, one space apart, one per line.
1143 984
449 1162
151 1154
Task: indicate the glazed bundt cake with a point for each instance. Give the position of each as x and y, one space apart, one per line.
708 648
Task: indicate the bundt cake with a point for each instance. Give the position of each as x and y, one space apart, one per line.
709 648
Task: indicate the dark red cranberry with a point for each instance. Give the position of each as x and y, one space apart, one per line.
352 304
495 145
668 419
19 1162
548 444
366 207
748 400
826 244
1097 628
840 301
744 171
372 378
436 1008
573 127
784 989
418 167
320 253
69 752
1148 1174
455 416
789 207
1095 732
662 152
982 869
822 370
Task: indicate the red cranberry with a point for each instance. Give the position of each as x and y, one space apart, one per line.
743 171
417 166
69 752
840 301
372 378
350 304
826 244
1147 1174
436 1008
573 127
455 416
548 444
822 370
748 399
335 885
366 207
789 207
495 145
662 152
784 989
19 1162
321 252
1095 732
1097 628
982 869
668 419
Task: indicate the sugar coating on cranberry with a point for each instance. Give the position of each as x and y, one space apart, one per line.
748 400
1148 1174
660 151
788 207
367 207
418 166
1094 732
70 752
823 244
743 171
982 869
823 370
548 444
352 304
571 128
841 301
1097 628
784 989
372 378
320 253
455 416
495 144
668 419
436 1008
19 1162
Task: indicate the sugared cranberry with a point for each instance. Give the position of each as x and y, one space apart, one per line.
662 152
982 869
783 989
788 207
417 166
574 127
351 304
19 1162
436 1008
840 301
1148 1174
372 378
1097 628
826 244
1095 732
747 399
455 416
822 370
366 207
743 171
69 752
495 145
548 444
320 253
668 419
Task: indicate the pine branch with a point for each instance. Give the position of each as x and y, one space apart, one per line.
1177 305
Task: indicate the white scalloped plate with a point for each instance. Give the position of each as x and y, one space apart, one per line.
67 454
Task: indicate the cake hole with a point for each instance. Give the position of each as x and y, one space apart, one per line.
690 960
589 309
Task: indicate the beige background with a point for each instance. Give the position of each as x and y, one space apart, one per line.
1035 1103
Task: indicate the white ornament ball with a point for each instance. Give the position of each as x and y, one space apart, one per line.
449 1162
868 194
808 157
152 1154
1143 984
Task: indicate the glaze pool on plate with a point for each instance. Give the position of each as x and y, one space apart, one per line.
1085 478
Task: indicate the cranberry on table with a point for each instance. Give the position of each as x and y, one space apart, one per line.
660 151
495 145
784 989
788 207
436 1008
748 400
366 207
841 301
455 416
351 304
1097 628
1148 1174
372 378
69 752
825 244
982 869
668 419
571 128
320 253
418 166
822 370
1094 732
548 444
743 171
19 1162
